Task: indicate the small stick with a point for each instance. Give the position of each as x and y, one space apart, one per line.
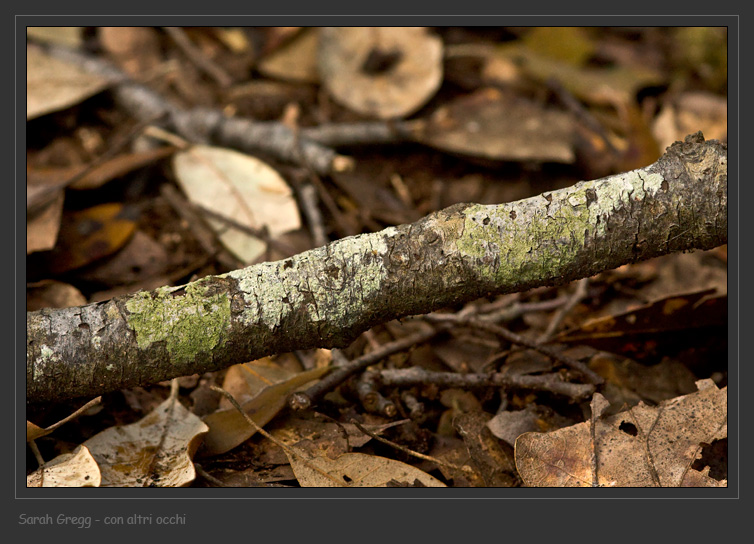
196 56
415 408
207 476
578 295
517 309
37 455
203 124
341 373
285 447
371 398
262 234
581 113
410 452
358 134
309 204
412 376
516 339
203 234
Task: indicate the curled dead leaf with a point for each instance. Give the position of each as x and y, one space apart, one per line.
644 446
156 451
384 72
228 428
77 469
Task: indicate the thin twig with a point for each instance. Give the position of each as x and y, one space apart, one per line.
594 416
289 450
36 200
310 205
413 376
359 134
517 309
37 456
340 374
370 397
324 194
415 407
196 56
205 124
203 234
581 113
410 452
207 476
514 338
262 234
578 295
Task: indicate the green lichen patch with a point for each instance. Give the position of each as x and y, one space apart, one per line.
519 242
190 323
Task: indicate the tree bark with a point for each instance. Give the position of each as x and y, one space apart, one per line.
327 296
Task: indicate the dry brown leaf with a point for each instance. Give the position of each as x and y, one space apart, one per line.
384 72
316 469
33 431
140 259
153 452
509 425
52 294
294 61
77 469
42 229
234 39
491 462
69 36
644 446
134 48
627 382
228 428
329 437
247 380
53 84
242 188
496 125
599 85
670 323
689 112
90 234
93 176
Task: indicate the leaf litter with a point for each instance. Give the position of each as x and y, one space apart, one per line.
364 77
645 446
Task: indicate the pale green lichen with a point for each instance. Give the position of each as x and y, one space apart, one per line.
47 354
555 228
190 323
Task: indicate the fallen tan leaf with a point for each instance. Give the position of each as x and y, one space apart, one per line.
77 469
241 188
153 452
644 446
228 428
355 470
52 84
385 72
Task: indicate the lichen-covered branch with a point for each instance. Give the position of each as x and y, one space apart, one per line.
327 296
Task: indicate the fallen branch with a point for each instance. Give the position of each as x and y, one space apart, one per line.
205 125
327 296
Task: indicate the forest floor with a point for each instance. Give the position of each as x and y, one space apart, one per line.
423 119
